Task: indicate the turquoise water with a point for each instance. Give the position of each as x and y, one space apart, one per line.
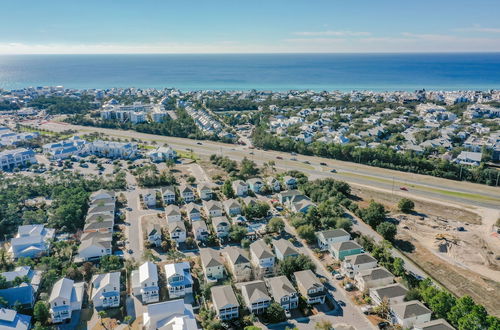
344 72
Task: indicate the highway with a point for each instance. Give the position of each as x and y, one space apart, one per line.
428 187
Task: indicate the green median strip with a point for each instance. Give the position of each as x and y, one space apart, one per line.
459 194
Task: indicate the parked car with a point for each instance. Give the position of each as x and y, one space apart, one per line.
307 162
199 143
403 188
383 325
349 287
338 276
333 170
279 157
323 164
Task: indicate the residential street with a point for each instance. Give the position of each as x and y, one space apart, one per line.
349 314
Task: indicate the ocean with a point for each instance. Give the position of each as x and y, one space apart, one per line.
278 72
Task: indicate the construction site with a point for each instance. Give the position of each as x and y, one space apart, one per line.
459 247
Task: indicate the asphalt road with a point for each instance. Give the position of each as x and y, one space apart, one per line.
417 185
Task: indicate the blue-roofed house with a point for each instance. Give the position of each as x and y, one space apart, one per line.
179 280
10 319
25 292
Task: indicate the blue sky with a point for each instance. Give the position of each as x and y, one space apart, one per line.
237 26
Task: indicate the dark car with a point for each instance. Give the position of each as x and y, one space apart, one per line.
322 164
279 157
199 143
383 325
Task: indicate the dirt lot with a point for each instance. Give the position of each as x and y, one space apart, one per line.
458 280
465 262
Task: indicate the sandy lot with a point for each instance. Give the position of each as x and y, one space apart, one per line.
465 262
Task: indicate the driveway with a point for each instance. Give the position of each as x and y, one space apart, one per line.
133 227
349 314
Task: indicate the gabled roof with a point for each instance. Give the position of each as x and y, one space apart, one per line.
167 190
199 225
280 286
410 309
223 295
192 208
102 281
153 229
177 268
148 272
173 226
254 291
220 221
390 291
235 255
375 274
212 205
348 245
261 250
210 257
62 289
231 203
172 210
438 324
360 259
285 247
307 279
185 188
333 233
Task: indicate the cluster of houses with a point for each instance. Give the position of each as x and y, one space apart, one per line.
204 120
67 295
198 205
255 277
429 116
16 158
363 268
97 237
10 138
135 113
75 146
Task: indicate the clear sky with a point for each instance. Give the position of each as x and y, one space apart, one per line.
242 26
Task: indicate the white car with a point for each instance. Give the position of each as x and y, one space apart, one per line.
338 276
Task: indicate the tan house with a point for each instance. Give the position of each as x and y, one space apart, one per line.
238 263
373 278
310 287
212 265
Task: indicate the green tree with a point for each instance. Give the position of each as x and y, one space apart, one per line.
293 264
275 313
387 230
406 205
344 223
227 189
41 312
463 306
237 233
441 304
475 319
374 214
307 232
275 225
111 263
248 168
